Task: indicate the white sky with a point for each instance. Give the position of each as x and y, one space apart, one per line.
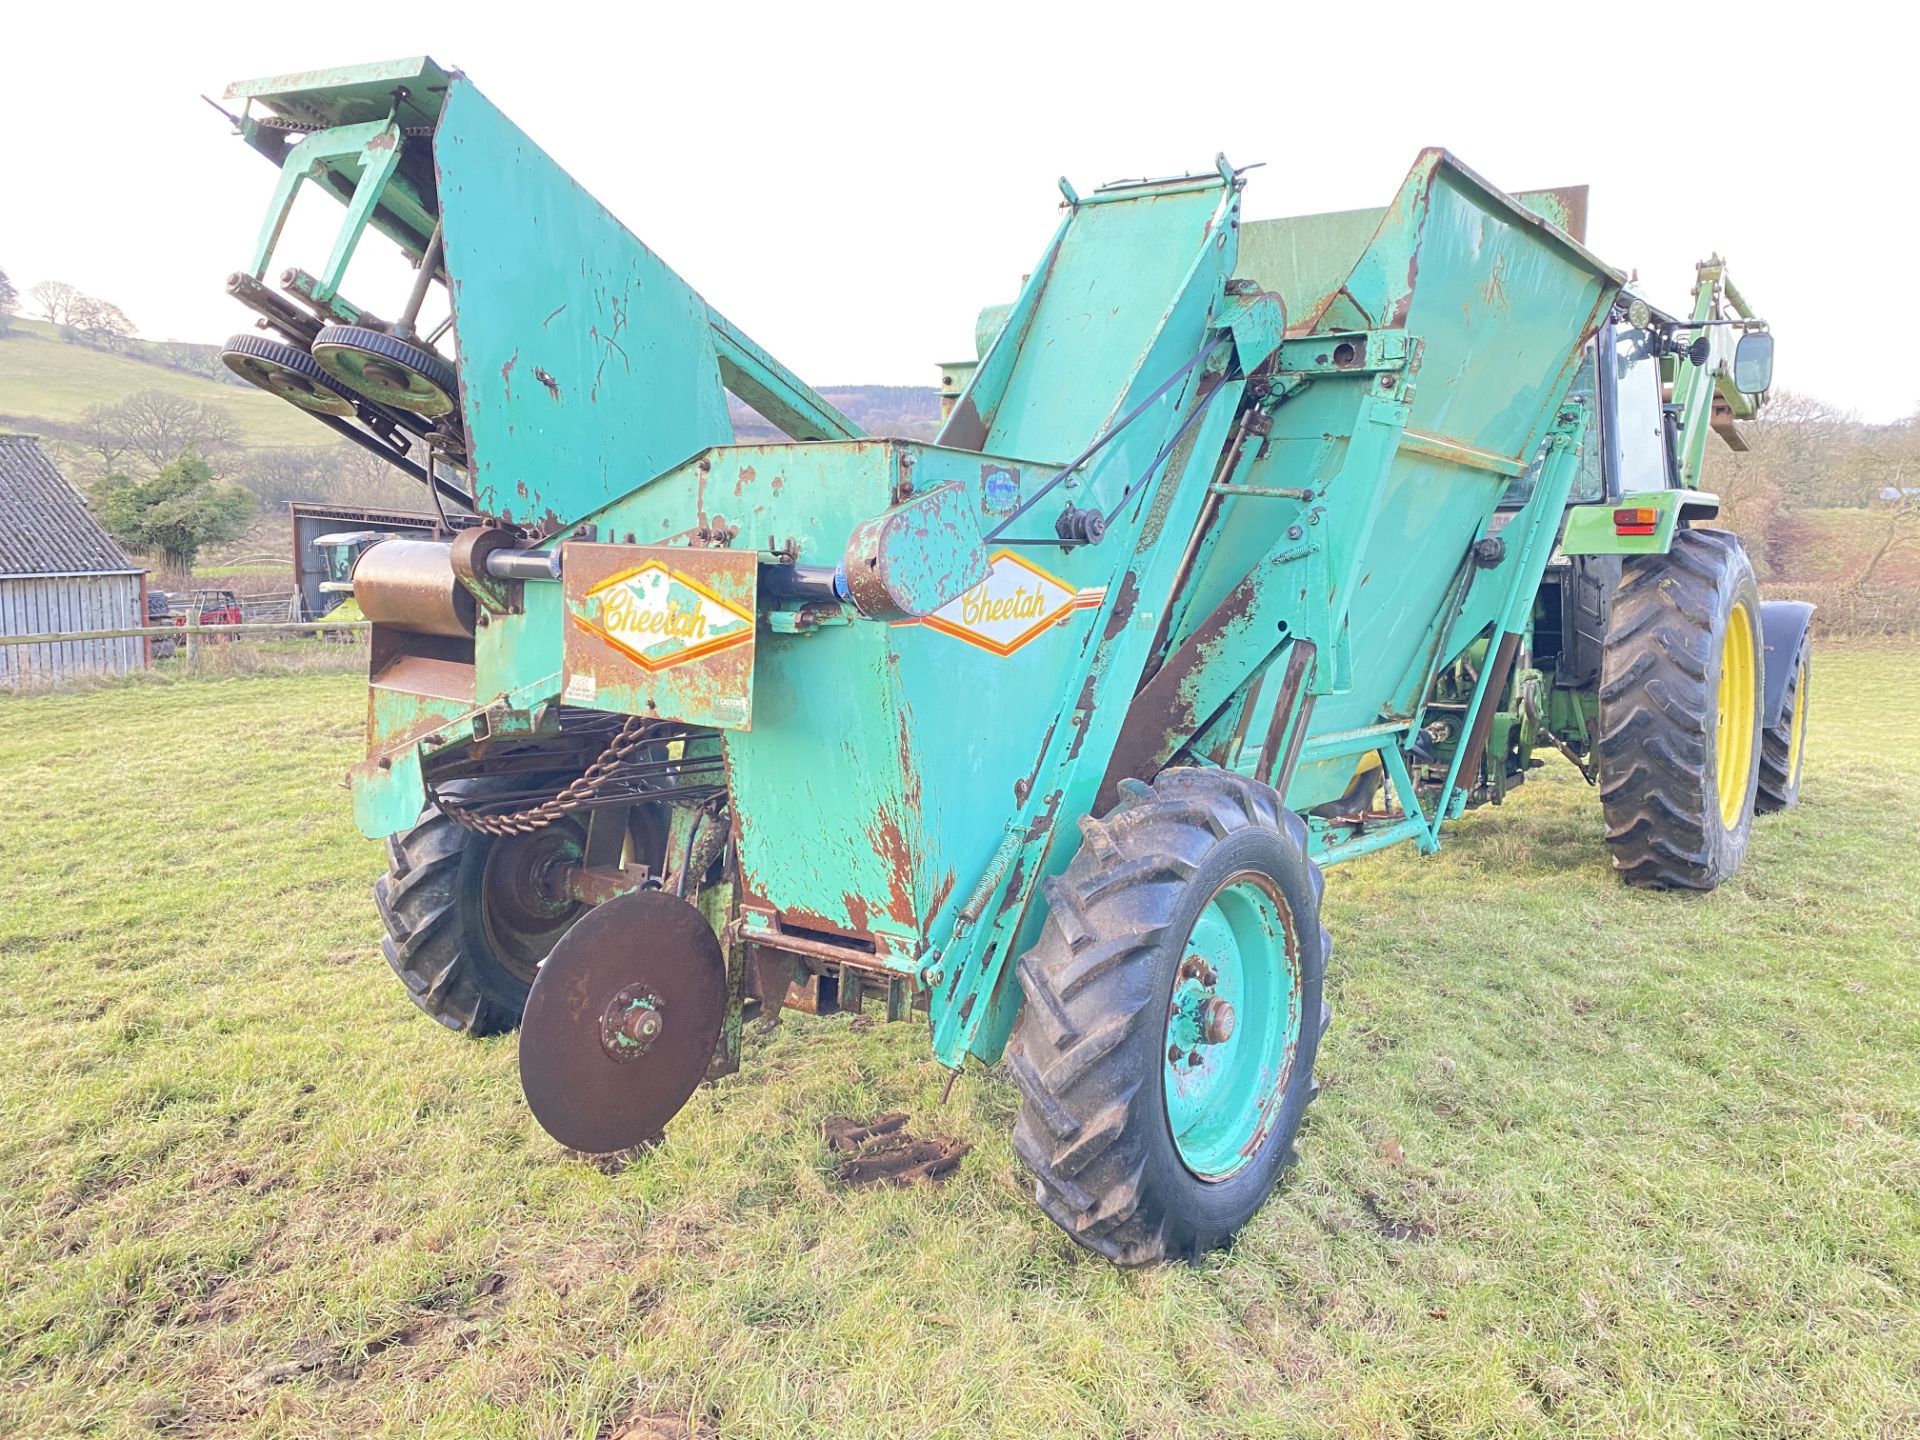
850 184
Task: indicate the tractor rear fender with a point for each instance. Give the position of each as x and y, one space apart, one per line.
1599 530
1783 628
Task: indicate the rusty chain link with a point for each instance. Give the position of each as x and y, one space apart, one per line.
313 127
631 735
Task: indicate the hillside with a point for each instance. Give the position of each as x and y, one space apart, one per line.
1832 546
47 383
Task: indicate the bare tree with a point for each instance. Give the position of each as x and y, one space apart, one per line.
281 473
56 300
100 322
155 426
1893 465
9 302
343 474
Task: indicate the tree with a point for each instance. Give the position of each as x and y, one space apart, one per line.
100 322
1894 467
155 426
56 300
176 513
9 302
341 474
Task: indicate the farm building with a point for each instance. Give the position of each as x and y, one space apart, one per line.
60 572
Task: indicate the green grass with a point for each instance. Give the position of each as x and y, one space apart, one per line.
46 385
1588 1162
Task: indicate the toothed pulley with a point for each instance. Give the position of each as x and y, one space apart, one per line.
384 369
287 371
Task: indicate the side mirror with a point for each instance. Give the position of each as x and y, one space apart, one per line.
1753 363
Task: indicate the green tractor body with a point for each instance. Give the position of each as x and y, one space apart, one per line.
1044 726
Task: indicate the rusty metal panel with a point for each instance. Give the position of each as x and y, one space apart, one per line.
661 629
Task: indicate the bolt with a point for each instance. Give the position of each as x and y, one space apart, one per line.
1294 532
640 1025
932 975
1193 1058
1216 1021
643 1024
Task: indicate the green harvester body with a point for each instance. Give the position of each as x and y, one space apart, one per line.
1276 497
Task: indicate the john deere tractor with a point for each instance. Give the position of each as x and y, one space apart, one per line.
1649 659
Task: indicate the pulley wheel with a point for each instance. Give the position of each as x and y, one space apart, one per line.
388 371
287 371
622 1022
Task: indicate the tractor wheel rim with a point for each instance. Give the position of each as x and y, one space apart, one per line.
522 911
1733 725
1238 973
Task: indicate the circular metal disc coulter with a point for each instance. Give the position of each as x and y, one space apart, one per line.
389 371
286 371
622 1021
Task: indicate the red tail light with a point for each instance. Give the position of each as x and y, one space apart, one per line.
1635 520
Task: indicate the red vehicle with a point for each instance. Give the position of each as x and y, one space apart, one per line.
214 607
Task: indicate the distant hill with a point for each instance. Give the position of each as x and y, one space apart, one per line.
47 382
910 412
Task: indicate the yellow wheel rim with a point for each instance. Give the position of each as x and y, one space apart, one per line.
1733 727
1797 740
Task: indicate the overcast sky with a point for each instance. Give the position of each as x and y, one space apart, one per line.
850 184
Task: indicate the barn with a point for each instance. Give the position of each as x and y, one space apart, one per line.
60 572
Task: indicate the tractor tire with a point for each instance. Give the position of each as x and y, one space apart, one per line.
1139 1153
457 966
1783 744
1679 730
467 919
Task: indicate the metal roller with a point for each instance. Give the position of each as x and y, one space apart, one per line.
410 585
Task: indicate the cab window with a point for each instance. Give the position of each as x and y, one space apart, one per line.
1638 428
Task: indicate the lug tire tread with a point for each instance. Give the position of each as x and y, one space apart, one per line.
1658 702
427 943
1075 1131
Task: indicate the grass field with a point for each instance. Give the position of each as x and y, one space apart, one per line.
46 386
1588 1162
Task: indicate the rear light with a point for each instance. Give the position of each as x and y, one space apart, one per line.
1635 520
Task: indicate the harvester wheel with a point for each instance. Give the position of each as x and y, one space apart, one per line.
1173 1009
469 916
1679 732
1783 744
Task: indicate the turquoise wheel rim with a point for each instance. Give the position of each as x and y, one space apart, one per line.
1233 1027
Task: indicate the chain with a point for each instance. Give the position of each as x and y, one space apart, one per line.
631 735
313 127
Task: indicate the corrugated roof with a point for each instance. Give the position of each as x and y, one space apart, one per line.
45 527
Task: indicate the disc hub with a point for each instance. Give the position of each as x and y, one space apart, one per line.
631 1023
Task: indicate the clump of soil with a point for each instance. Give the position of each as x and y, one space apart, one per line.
881 1152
